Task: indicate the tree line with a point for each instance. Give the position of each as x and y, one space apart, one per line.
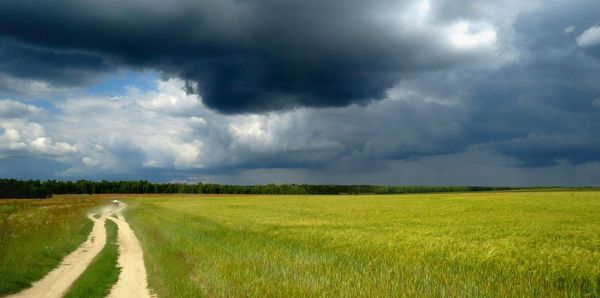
13 188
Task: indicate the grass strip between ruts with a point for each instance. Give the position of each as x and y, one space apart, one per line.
103 272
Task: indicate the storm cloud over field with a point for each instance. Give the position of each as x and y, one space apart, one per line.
390 92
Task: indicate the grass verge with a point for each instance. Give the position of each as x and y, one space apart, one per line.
103 272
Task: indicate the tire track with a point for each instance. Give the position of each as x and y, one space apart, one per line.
58 281
132 280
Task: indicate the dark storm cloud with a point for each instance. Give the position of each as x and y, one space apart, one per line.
541 110
546 150
530 115
63 67
593 51
241 55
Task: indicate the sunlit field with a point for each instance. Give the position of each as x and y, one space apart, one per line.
473 244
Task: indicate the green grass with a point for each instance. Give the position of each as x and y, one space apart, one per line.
474 244
103 272
35 235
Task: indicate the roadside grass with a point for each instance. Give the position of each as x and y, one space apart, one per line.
98 279
498 244
36 234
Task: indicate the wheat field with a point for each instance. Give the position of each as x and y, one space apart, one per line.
542 243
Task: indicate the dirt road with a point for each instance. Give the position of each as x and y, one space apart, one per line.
132 280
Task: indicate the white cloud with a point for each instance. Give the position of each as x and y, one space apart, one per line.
475 34
272 133
144 130
90 162
23 138
569 30
164 131
169 98
138 129
29 87
14 109
589 37
464 35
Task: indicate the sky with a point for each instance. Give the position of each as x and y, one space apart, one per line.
421 92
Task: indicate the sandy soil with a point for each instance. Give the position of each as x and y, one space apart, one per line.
132 280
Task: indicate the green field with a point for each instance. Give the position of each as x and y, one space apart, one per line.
36 234
474 244
496 244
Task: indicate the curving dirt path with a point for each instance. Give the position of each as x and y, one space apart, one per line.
56 283
132 280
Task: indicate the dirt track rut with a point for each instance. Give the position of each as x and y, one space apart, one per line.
132 280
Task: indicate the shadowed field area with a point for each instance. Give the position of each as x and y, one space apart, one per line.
473 244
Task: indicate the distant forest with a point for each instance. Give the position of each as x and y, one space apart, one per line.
13 188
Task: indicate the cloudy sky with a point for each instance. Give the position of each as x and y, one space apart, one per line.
498 92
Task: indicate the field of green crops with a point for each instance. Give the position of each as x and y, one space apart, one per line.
475 244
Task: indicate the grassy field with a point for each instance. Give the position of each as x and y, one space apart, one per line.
475 244
97 280
520 243
36 234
